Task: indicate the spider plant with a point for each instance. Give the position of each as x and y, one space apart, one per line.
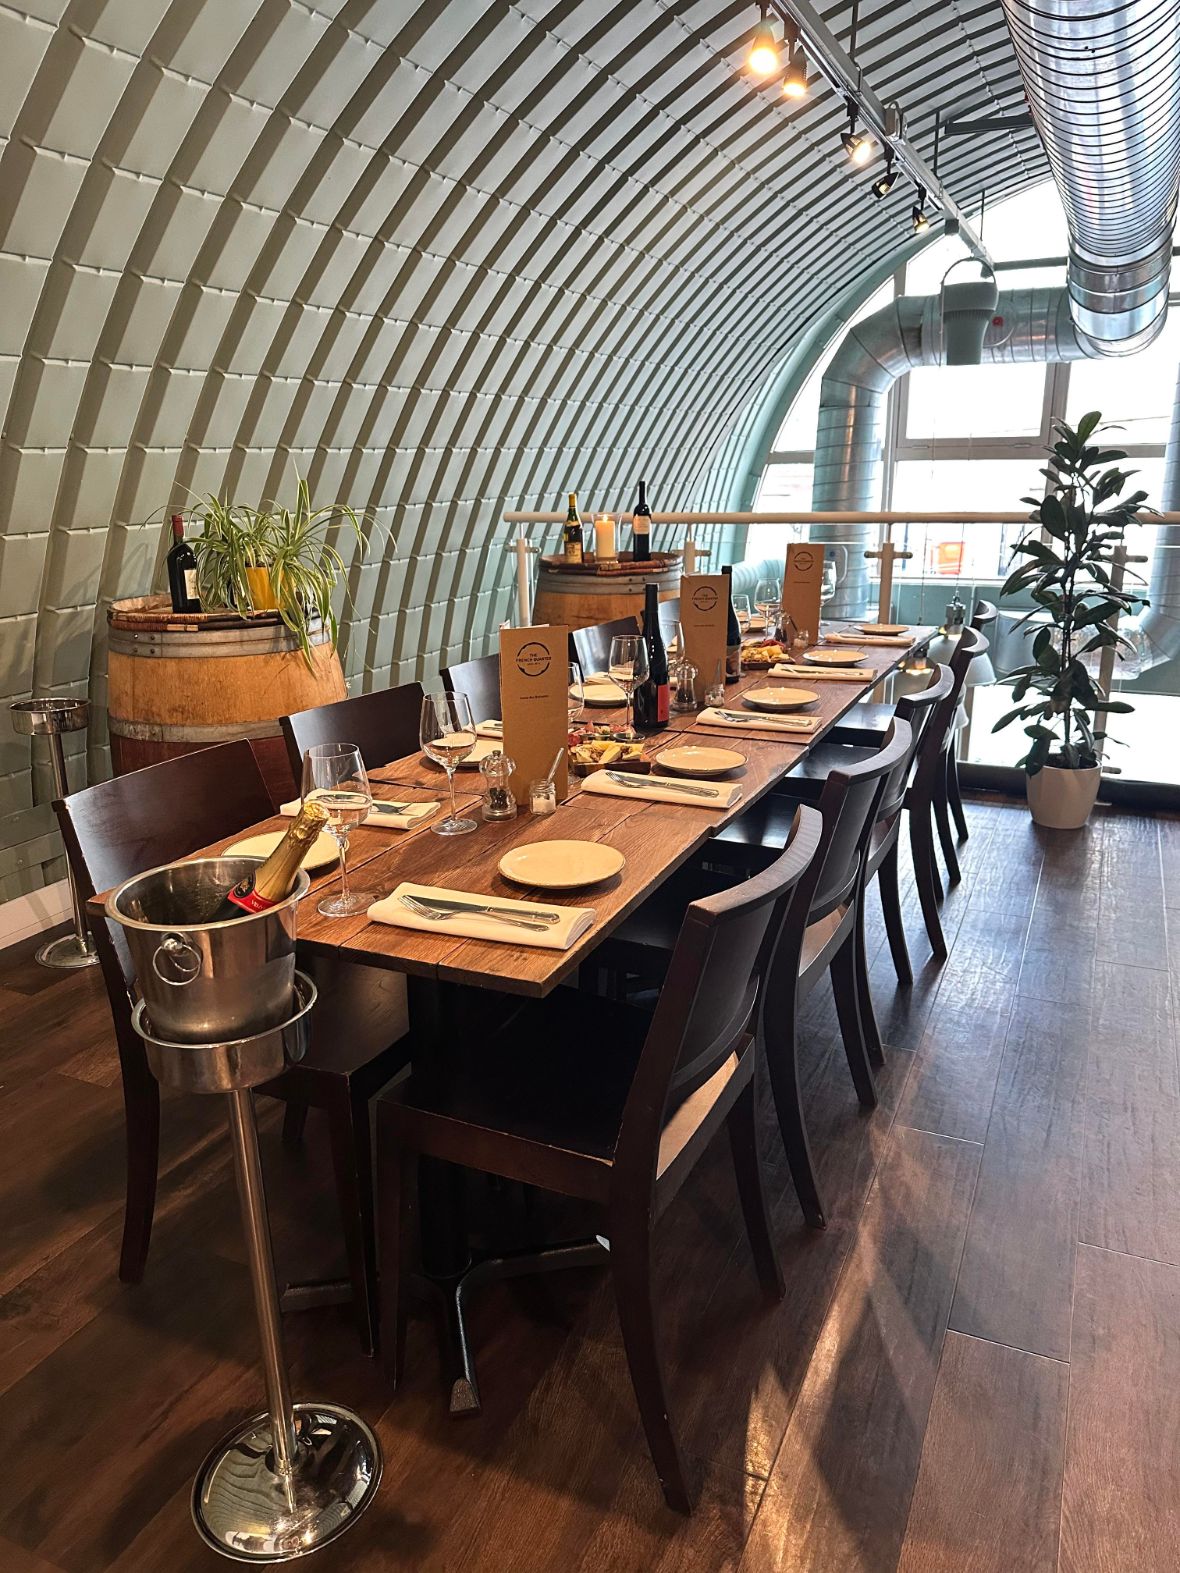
290 544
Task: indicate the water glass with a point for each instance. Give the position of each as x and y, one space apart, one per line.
447 735
334 774
575 695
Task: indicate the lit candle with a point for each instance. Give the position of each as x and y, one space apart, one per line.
604 538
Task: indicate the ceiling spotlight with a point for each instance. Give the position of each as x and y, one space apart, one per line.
795 79
763 58
858 148
918 213
885 184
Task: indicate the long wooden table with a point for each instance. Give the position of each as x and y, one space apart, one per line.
655 838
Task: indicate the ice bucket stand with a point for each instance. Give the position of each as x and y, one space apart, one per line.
50 718
284 1483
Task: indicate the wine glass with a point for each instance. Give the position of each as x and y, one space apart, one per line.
628 668
447 735
575 695
334 774
741 606
766 597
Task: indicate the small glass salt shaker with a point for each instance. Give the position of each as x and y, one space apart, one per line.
715 693
498 801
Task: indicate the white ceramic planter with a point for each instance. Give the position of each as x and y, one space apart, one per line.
1062 799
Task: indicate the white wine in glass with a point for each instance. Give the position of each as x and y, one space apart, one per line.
334 776
447 735
628 668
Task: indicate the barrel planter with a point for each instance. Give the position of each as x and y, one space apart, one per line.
583 597
179 682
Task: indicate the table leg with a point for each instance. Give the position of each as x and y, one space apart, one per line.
288 1481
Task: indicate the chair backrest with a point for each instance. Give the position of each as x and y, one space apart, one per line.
918 710
848 807
592 645
709 998
383 725
970 644
480 681
152 816
984 615
669 617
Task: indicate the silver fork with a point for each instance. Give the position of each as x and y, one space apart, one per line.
442 917
673 786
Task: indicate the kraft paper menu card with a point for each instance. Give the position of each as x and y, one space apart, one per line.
802 583
534 677
704 610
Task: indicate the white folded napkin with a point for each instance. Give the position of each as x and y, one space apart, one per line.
490 728
572 924
798 725
898 641
382 816
656 790
824 674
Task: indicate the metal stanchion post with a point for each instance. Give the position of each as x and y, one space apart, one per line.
50 718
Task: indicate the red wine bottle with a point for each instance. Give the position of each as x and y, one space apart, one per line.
641 528
733 634
182 570
652 695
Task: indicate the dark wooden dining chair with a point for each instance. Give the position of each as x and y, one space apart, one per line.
821 934
602 1101
383 725
480 681
153 816
590 647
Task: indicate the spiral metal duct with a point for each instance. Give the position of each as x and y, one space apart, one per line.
1103 84
1032 325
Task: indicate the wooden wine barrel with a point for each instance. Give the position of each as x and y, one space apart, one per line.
582 597
177 682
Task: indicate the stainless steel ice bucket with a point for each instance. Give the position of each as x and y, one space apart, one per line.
240 1063
207 982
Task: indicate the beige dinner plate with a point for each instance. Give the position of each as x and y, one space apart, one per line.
694 761
835 655
779 698
607 695
887 629
483 747
561 865
322 853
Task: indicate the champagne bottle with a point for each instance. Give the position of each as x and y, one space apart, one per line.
182 570
641 528
733 634
652 695
571 536
273 880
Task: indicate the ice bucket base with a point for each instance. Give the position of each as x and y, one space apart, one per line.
247 1510
244 1062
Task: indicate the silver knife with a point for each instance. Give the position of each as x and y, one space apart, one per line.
673 786
488 911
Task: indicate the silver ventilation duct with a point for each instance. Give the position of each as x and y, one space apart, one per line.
1103 85
1028 325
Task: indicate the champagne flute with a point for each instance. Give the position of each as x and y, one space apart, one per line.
447 735
334 775
575 695
628 668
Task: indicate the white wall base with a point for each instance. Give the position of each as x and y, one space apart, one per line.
32 914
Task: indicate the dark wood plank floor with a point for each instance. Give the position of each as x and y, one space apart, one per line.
976 1369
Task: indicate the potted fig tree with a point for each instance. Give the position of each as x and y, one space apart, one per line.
1065 565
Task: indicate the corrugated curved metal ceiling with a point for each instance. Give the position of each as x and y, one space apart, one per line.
446 258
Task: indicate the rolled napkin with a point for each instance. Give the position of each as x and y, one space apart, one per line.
897 641
490 728
657 789
823 674
571 924
797 725
384 816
